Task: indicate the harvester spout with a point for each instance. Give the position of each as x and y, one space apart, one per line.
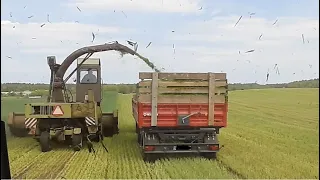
91 49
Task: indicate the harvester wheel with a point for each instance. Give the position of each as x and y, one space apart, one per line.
95 138
45 141
77 142
18 132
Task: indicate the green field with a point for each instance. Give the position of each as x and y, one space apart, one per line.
272 133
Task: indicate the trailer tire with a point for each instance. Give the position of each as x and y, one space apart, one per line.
137 129
45 141
139 138
77 142
210 155
151 158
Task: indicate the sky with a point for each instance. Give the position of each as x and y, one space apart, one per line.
185 35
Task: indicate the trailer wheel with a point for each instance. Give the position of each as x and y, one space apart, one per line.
151 158
137 129
139 138
77 142
210 155
45 141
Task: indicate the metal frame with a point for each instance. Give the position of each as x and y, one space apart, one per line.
165 140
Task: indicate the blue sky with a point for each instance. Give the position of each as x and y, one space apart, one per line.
205 40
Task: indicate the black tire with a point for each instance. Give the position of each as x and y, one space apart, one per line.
137 129
116 126
210 155
19 132
44 140
77 142
94 138
150 158
138 138
107 132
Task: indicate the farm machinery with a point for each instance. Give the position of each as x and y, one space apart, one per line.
63 118
179 113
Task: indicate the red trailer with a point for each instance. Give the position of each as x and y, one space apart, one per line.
180 113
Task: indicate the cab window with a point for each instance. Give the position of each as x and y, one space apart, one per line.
88 76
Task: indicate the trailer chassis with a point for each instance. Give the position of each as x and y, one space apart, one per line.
156 142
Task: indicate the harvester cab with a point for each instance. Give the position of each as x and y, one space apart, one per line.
88 77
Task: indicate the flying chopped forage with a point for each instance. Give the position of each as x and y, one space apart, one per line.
93 37
302 38
30 17
251 14
238 21
134 44
79 9
275 22
252 50
124 14
277 71
149 44
48 18
275 65
260 37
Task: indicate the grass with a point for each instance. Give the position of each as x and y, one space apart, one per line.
271 133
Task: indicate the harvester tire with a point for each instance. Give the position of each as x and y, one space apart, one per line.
45 141
18 132
77 142
95 138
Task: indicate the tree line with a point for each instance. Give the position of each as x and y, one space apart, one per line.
42 89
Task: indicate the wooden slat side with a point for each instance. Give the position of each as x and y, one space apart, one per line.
183 90
146 98
162 83
211 99
154 100
172 76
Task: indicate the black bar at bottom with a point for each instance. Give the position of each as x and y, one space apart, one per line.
180 151
5 167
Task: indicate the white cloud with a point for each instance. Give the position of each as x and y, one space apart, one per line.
210 46
27 62
216 44
185 6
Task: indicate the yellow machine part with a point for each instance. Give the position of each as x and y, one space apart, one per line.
110 124
16 123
